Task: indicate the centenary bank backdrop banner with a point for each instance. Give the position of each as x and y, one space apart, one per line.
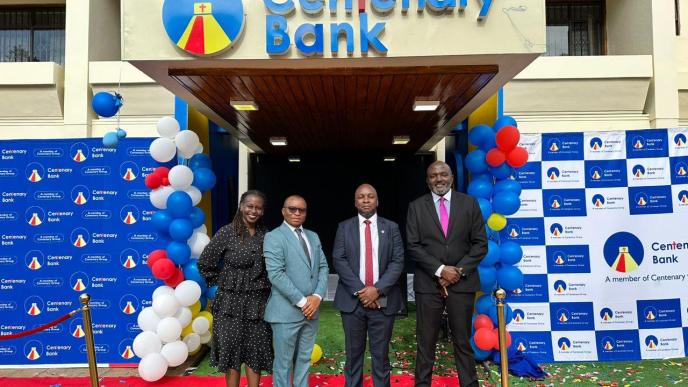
74 218
604 229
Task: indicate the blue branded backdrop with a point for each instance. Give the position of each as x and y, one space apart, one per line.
74 218
603 229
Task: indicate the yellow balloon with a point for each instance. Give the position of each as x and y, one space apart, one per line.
195 308
316 355
496 222
188 329
207 315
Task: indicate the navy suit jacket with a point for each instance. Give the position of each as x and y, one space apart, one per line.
346 260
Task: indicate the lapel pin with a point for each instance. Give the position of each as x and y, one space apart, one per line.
382 231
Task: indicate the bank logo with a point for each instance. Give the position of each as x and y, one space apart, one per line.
559 259
681 169
79 281
514 231
683 197
129 304
563 315
638 142
559 286
34 216
519 315
34 172
598 200
607 343
125 349
555 201
33 350
129 170
129 214
79 152
34 260
34 306
595 143
651 342
623 252
556 229
521 345
554 145
564 344
129 258
650 313
203 28
606 314
596 173
76 328
680 140
641 199
80 195
80 237
553 174
638 171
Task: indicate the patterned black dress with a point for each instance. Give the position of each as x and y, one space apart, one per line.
239 333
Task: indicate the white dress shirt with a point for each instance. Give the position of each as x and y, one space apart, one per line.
376 243
447 204
303 300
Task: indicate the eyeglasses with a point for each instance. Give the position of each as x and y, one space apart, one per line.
294 210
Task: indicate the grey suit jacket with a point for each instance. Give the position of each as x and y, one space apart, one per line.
291 274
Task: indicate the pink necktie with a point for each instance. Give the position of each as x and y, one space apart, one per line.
444 217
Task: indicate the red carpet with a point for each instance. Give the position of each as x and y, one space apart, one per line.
204 381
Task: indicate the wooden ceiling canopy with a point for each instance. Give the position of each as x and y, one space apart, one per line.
337 109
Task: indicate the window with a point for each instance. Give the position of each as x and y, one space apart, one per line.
575 28
32 35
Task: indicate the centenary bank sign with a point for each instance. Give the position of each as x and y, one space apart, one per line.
210 27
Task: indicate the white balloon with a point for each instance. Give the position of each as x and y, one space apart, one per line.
152 367
165 305
158 196
198 242
175 353
145 343
205 338
162 149
169 329
180 177
200 325
187 292
199 149
203 229
148 320
184 316
164 289
168 127
192 341
187 141
195 195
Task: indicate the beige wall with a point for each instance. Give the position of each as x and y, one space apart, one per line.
104 28
628 24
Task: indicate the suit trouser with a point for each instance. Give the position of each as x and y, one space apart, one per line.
293 344
429 309
358 325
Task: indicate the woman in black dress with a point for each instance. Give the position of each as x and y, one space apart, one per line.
239 333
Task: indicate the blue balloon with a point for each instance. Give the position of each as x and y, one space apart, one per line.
179 204
479 133
192 273
506 203
479 354
482 176
490 142
212 292
485 208
510 253
110 140
197 217
204 179
475 162
508 185
204 301
488 278
509 277
492 256
480 188
121 133
179 252
504 121
106 104
484 303
161 221
200 160
502 172
508 314
181 229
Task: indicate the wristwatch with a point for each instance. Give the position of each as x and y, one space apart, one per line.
461 273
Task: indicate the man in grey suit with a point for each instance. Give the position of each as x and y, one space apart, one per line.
297 269
368 255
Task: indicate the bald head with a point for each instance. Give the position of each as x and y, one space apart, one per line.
365 200
439 178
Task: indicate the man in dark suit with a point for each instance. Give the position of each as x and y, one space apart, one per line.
446 239
368 255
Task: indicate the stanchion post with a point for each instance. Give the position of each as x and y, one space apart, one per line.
90 344
500 294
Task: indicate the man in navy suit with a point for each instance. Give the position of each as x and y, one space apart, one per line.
368 255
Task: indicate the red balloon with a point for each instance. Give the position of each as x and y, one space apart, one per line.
161 171
153 181
485 339
165 181
517 158
163 269
508 339
495 157
507 138
483 321
176 279
155 255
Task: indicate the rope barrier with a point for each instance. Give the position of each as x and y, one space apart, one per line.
40 328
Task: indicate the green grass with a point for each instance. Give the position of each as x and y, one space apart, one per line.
403 351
